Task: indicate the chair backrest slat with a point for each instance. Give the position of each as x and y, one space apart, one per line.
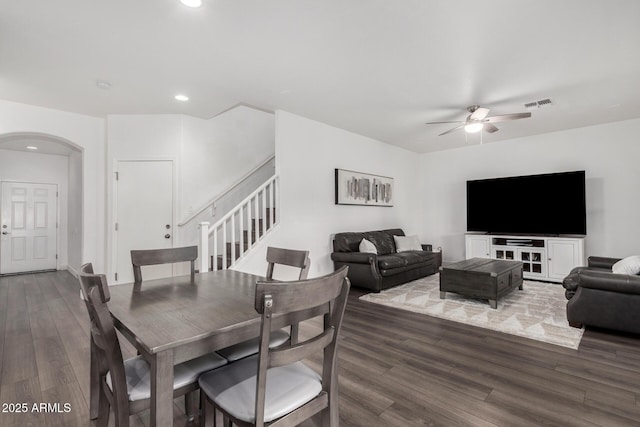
140 258
300 294
300 351
290 257
93 280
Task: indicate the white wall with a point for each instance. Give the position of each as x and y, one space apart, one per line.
307 153
85 133
209 155
45 169
608 153
219 151
75 220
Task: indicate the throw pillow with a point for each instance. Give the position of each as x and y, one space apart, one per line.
628 265
407 243
367 247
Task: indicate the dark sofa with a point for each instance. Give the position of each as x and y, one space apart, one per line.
598 297
387 268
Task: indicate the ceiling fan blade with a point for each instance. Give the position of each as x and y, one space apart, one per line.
488 127
479 114
506 117
437 123
452 130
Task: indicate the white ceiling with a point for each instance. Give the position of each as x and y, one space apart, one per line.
375 67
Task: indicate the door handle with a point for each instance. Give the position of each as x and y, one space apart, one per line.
5 232
167 236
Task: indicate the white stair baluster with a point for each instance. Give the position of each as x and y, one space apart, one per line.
249 226
215 249
224 245
272 203
260 206
241 229
233 238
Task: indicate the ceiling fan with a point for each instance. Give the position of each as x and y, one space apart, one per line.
478 120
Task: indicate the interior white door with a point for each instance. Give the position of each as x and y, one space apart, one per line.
144 218
29 238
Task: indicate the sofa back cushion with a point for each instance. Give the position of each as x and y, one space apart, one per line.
383 240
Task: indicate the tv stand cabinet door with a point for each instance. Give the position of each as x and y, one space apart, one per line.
477 246
563 255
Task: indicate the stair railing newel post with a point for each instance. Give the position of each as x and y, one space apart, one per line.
203 247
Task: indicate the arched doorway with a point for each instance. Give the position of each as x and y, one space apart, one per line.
33 165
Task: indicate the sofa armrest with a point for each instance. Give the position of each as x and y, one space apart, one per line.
604 281
354 257
602 262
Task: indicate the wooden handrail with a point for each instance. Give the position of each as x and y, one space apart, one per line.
225 192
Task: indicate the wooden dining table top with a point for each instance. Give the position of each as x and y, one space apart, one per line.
175 312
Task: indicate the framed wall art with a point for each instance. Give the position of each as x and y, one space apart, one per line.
357 188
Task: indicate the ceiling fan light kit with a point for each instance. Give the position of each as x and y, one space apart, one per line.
473 127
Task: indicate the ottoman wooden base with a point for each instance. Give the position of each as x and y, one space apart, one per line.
481 278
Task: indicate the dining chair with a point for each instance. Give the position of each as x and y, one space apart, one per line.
140 258
124 385
275 386
275 256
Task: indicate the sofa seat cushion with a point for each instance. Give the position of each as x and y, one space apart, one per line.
386 262
398 270
403 259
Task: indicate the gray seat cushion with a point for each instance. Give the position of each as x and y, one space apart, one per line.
233 388
139 381
249 347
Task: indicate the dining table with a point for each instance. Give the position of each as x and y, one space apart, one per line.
175 319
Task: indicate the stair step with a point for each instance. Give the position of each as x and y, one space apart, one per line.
259 225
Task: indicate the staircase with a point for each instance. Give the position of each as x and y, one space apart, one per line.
233 236
257 224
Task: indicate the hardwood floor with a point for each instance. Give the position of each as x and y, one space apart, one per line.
396 368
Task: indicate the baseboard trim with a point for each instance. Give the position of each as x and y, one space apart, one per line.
73 271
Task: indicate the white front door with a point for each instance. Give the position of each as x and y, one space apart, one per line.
29 238
144 218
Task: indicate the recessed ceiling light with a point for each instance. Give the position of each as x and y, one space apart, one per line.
191 3
102 84
182 98
31 147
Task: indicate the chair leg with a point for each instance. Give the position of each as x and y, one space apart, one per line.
207 418
95 386
191 405
103 410
121 417
294 334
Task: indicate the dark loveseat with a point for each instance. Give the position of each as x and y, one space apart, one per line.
598 297
387 268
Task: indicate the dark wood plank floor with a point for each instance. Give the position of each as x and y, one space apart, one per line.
396 368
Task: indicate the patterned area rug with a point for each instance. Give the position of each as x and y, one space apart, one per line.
537 312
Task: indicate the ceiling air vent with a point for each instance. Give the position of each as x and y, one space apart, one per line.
538 104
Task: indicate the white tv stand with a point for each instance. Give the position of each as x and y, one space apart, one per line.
543 258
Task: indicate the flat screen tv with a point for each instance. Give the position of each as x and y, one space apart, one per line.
548 204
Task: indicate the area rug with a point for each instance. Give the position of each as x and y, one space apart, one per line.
537 312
